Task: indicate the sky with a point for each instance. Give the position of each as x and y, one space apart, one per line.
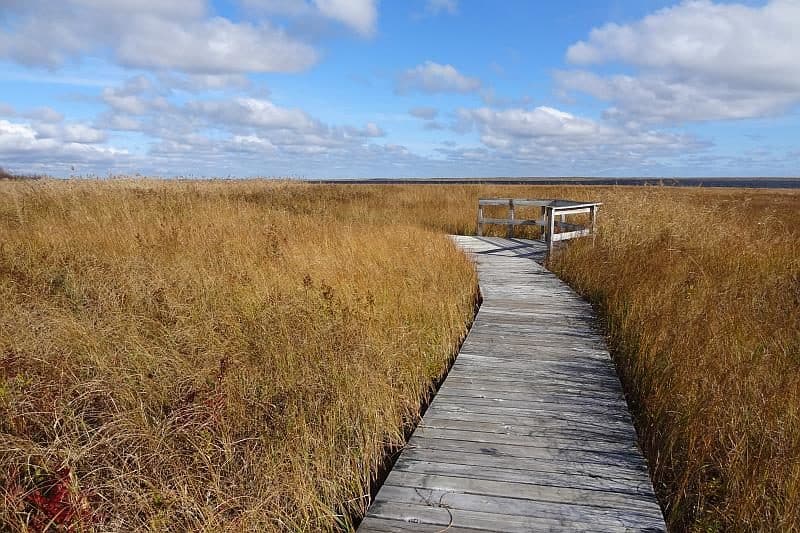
400 88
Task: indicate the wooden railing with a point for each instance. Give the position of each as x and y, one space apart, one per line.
551 211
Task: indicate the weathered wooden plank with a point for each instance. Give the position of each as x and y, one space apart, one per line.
545 374
586 404
550 431
542 421
564 514
574 455
525 391
523 490
493 382
425 516
533 466
526 439
570 416
506 473
530 430
549 403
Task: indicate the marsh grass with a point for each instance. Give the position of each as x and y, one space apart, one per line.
185 357
237 355
700 292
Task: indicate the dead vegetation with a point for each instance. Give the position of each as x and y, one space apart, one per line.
235 355
179 356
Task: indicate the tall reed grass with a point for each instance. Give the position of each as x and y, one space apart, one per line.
701 298
235 355
183 357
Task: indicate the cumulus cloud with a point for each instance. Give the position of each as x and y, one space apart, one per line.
28 146
431 77
71 133
186 128
704 60
654 98
133 97
255 112
360 15
176 35
738 43
548 133
45 124
215 46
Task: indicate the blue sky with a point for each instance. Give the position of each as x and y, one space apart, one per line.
368 88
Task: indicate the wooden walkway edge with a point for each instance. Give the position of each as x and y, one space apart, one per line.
530 430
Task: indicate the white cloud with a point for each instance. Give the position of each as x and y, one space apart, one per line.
70 133
48 124
255 112
202 131
652 98
360 15
547 133
434 7
130 98
252 143
16 136
26 146
433 77
741 44
159 35
215 46
538 122
699 60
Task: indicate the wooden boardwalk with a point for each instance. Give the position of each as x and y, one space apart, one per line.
530 430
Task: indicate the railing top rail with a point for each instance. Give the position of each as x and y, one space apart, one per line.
555 204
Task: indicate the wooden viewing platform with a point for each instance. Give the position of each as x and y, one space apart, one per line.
530 431
553 219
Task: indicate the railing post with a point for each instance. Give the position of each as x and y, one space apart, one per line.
511 218
551 221
593 215
480 219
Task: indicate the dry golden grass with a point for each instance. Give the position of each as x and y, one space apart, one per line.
186 357
700 291
160 340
